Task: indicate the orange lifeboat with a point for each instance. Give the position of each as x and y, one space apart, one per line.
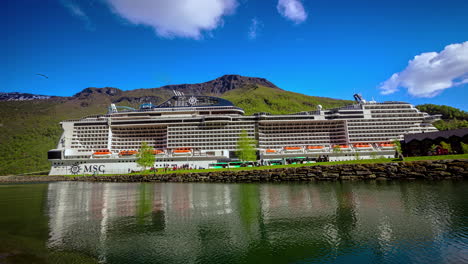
128 153
292 149
315 148
102 153
387 145
270 151
343 147
362 146
182 152
157 152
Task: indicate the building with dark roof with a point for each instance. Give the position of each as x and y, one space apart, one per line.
421 144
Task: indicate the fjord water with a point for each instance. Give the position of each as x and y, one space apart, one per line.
329 222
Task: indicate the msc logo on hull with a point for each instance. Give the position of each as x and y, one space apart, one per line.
77 168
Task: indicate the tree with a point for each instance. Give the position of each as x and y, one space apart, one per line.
336 149
397 144
145 157
246 147
446 146
356 155
464 147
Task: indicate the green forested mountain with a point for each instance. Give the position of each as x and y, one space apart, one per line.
28 129
452 118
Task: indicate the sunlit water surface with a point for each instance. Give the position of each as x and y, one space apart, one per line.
330 222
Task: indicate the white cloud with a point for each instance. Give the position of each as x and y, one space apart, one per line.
255 26
428 74
175 18
77 11
292 10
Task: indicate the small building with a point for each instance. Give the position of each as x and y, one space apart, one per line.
421 144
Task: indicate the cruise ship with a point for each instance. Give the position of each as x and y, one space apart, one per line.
202 132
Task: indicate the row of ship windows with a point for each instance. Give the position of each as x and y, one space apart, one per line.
134 147
377 127
89 135
387 106
376 139
303 139
91 127
400 120
301 125
393 116
214 134
91 148
412 111
273 146
373 123
140 133
91 131
236 123
340 130
225 128
136 139
363 131
300 131
140 128
201 132
376 131
183 141
88 143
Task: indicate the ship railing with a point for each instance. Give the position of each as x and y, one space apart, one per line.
178 108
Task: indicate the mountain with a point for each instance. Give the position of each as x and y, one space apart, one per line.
217 86
22 96
30 127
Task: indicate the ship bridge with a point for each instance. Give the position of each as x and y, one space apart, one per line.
194 101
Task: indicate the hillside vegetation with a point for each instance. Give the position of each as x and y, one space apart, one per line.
452 118
255 98
28 129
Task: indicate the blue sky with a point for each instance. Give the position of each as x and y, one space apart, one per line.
320 48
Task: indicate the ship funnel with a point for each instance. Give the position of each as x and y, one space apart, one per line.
319 107
358 98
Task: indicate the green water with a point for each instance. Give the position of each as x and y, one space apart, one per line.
330 222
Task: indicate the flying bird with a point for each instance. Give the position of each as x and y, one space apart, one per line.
42 75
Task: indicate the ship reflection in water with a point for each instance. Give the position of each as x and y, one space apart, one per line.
282 223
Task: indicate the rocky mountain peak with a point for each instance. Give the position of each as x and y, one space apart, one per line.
110 91
221 85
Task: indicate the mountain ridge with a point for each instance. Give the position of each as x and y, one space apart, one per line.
214 87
